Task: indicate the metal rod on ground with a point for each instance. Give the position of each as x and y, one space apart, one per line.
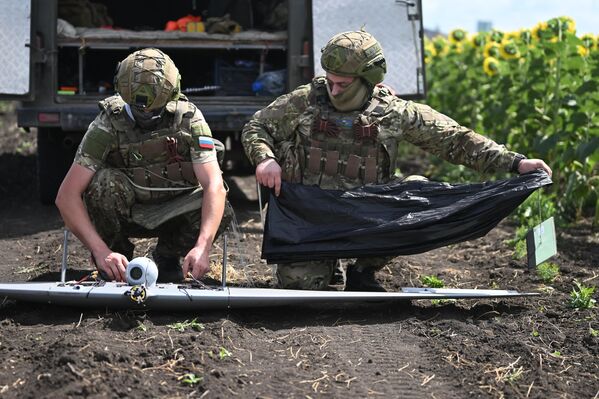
224 269
260 203
63 266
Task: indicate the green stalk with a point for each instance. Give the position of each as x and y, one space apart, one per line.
556 101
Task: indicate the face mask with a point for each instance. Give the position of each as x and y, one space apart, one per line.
352 98
146 120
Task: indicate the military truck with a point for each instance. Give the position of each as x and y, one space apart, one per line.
59 58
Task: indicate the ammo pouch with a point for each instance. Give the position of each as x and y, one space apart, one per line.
176 172
350 160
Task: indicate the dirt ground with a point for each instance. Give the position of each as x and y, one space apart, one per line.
517 348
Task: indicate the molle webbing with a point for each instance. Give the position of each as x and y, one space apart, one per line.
321 119
178 174
367 128
325 157
157 163
151 149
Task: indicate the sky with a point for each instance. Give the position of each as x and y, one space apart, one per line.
508 15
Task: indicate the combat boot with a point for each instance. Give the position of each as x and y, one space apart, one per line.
362 280
169 269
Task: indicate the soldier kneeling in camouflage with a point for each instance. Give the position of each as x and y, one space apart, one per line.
136 174
343 130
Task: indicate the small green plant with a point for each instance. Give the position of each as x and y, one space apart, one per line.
514 375
556 354
535 333
142 327
223 353
432 281
581 297
182 326
190 379
519 242
548 272
593 332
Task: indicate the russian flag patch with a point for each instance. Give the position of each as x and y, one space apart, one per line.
205 143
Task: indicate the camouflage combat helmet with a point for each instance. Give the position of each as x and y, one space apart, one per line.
147 78
356 54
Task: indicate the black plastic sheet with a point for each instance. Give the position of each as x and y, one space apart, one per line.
309 223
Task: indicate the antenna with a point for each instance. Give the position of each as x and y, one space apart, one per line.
63 266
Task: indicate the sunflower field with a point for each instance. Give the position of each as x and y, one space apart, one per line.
536 91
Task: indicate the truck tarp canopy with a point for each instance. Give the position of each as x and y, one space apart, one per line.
309 223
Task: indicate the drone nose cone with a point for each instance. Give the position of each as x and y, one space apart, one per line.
142 271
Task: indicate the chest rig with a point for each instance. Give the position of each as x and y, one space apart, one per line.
157 162
343 149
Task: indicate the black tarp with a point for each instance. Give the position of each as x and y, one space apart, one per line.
309 223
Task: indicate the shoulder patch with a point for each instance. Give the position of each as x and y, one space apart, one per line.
205 143
96 143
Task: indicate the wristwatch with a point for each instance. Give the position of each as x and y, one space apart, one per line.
516 162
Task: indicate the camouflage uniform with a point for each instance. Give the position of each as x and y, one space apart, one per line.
128 160
292 131
317 144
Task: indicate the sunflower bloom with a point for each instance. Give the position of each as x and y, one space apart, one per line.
511 35
509 50
562 25
525 36
491 66
496 36
457 36
440 45
554 26
588 40
429 53
538 32
457 48
568 24
582 51
492 49
478 40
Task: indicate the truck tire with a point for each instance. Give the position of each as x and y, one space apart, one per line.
55 153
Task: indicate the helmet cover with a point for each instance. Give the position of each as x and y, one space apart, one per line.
356 54
147 79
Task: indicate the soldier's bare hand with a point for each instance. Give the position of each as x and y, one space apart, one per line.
268 174
528 165
112 264
197 262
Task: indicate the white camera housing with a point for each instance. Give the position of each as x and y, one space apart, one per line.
142 271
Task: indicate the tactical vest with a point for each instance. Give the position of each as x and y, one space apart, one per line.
345 150
154 161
